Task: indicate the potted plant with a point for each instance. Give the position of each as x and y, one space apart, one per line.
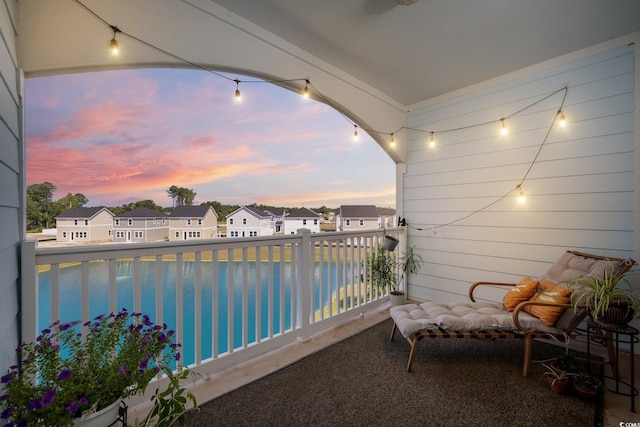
586 385
566 362
72 372
558 381
610 298
388 271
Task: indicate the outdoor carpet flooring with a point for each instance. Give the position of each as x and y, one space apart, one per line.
362 381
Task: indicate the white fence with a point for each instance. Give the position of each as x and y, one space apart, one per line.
234 298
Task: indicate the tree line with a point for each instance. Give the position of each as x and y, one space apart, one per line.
42 210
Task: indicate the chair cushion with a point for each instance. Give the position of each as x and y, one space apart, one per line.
548 292
459 316
569 266
520 293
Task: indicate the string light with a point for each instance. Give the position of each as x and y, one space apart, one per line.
355 132
432 140
305 94
503 130
115 48
521 197
392 141
563 119
238 97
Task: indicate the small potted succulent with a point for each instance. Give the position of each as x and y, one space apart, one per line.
558 381
586 385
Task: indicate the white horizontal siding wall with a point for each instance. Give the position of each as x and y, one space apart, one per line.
580 190
11 183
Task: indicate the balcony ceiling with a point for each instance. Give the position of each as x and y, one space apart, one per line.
415 52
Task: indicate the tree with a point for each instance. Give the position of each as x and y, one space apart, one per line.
39 205
181 196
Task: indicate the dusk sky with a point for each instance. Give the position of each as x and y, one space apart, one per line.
122 136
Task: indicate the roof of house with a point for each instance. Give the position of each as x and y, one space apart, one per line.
252 210
358 211
142 213
303 213
191 211
276 212
82 212
386 211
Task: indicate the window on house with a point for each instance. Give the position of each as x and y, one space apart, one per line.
189 221
75 222
304 222
138 234
64 234
130 222
199 221
362 222
347 222
86 222
244 221
315 222
116 222
177 234
230 220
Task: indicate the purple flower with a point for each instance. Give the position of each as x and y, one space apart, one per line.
143 365
7 413
4 397
73 407
66 373
48 397
34 404
6 378
9 424
178 356
84 401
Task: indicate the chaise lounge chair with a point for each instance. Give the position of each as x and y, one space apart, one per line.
531 309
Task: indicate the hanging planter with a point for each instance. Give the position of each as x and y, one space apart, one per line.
389 243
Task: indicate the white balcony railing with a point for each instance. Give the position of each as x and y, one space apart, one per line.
227 299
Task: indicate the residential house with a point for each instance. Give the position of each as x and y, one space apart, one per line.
193 223
357 217
302 218
140 225
277 218
84 224
387 218
249 221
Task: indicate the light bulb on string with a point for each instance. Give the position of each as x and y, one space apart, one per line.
113 44
238 97
503 130
521 197
563 119
355 132
305 93
432 140
392 141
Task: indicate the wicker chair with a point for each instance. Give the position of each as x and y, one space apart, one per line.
491 320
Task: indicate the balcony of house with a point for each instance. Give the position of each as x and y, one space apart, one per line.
228 300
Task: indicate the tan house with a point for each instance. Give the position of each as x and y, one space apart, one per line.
84 225
193 223
357 217
140 225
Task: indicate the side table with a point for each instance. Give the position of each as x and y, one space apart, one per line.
612 337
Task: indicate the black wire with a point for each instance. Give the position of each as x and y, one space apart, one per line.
519 186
